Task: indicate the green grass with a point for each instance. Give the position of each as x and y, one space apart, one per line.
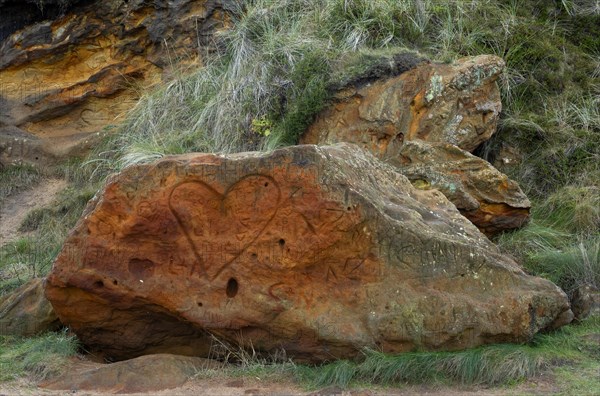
487 365
562 243
36 358
14 179
490 365
46 228
570 354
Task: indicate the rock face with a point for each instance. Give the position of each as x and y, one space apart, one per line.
316 250
485 196
438 106
26 311
62 80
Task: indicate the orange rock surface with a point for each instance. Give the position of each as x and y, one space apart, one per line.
451 103
487 197
425 121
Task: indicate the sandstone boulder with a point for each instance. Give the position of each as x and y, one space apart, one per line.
487 197
317 250
26 311
446 110
151 373
66 76
451 103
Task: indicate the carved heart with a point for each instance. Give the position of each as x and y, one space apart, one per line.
221 226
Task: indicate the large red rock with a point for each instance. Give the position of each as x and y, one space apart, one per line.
317 250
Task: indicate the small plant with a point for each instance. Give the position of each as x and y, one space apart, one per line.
262 126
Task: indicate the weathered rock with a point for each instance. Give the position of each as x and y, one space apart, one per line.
451 103
585 302
26 311
71 76
488 198
150 373
316 250
20 147
17 14
436 105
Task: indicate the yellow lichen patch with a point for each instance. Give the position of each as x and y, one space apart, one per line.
416 112
421 184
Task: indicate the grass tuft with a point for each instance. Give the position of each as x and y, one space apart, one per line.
486 365
37 358
14 179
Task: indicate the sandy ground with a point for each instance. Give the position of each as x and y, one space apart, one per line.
223 386
14 209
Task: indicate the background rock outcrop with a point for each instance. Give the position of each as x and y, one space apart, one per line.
447 110
66 77
452 103
317 250
26 311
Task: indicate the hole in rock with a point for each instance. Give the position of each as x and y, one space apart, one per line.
199 304
115 282
232 288
266 184
282 242
349 208
141 268
98 283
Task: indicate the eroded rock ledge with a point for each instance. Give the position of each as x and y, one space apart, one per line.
317 250
65 78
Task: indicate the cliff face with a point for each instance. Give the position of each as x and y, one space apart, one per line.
79 67
17 14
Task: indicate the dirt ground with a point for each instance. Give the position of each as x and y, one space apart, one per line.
223 386
14 209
